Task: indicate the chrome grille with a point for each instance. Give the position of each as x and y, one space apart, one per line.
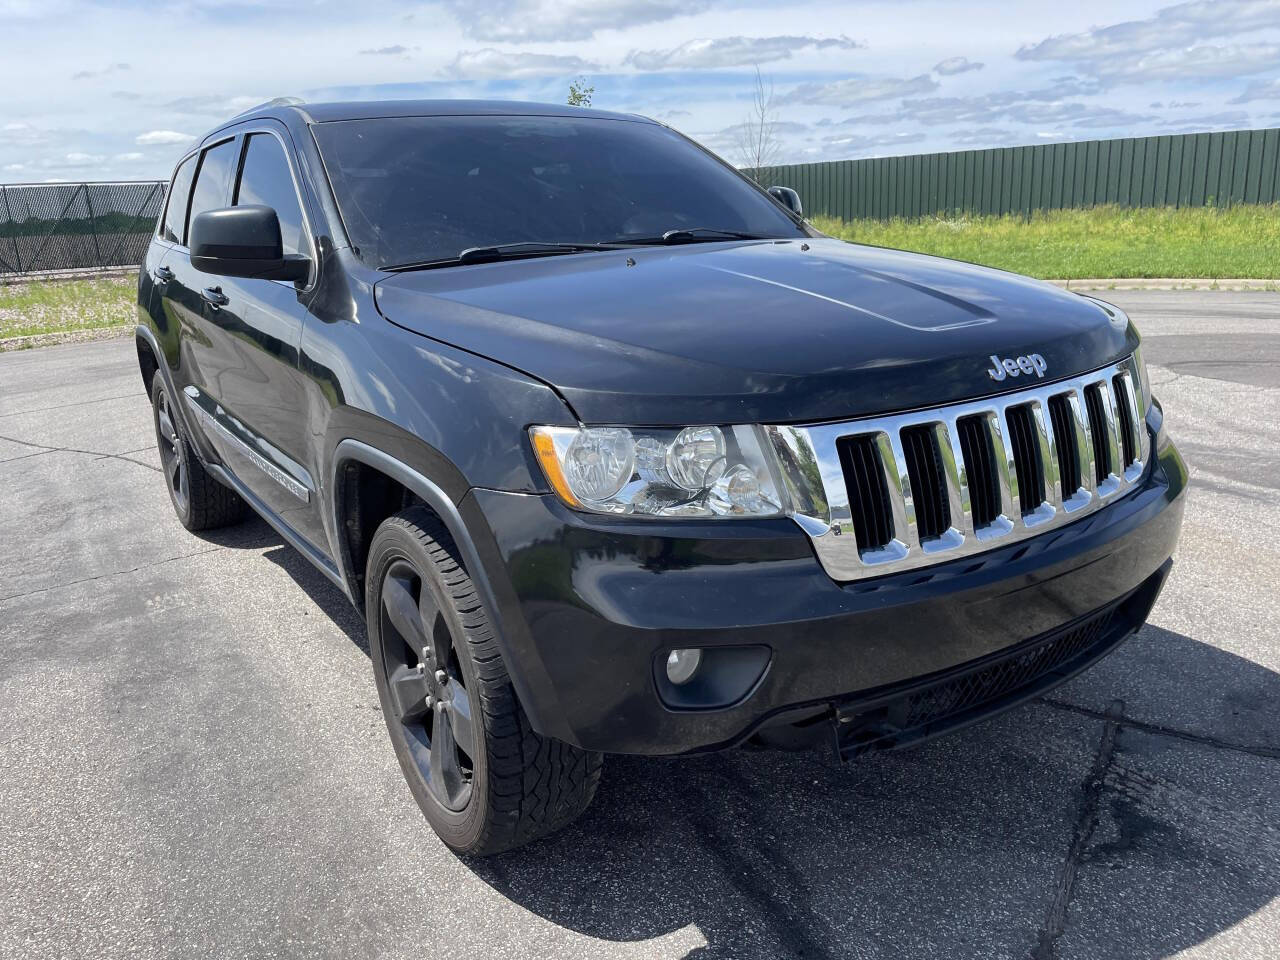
923 487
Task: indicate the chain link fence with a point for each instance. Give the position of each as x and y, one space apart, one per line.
46 227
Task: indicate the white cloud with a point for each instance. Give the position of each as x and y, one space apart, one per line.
110 68
154 137
1208 61
1259 90
859 88
859 143
75 160
1171 44
129 157
523 21
732 52
394 50
214 105
980 136
1224 120
954 65
497 63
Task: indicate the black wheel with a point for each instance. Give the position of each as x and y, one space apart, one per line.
200 501
484 779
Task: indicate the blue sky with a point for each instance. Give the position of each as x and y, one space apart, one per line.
114 90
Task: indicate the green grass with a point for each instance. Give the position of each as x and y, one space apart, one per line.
58 306
1102 242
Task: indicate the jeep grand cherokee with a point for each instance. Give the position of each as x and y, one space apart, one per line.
617 454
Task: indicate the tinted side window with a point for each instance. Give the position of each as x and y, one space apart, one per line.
175 216
216 167
265 179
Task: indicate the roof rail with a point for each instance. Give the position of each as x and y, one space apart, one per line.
273 102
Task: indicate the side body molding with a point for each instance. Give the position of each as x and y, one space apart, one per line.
532 685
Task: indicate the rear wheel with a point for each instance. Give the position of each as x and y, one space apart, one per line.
200 501
484 779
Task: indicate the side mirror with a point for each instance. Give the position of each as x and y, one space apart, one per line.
243 242
788 198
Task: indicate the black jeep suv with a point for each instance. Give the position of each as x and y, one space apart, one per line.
616 454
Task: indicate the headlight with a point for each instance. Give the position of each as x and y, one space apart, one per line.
690 472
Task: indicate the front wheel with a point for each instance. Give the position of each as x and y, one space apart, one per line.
484 779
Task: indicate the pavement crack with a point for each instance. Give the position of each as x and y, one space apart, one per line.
106 576
74 403
1055 920
96 454
26 456
1160 730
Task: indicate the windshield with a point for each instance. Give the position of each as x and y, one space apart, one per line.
414 189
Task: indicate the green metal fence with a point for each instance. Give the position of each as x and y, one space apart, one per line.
1180 170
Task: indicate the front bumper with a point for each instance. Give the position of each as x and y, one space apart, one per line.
591 607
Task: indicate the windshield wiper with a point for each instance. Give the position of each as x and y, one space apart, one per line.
499 251
692 235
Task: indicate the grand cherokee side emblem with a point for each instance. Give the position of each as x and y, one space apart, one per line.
1031 363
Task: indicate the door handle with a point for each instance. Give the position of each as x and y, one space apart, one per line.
162 274
214 297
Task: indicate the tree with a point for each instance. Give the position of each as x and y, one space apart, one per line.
758 144
580 93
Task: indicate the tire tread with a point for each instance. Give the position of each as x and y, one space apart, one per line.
536 785
210 503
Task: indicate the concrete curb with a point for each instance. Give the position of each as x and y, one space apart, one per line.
88 273
31 341
1171 283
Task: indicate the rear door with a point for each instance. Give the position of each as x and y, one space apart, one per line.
156 272
182 295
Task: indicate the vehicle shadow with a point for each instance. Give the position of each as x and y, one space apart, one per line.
957 849
256 534
953 849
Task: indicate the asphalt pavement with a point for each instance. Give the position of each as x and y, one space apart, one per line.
193 763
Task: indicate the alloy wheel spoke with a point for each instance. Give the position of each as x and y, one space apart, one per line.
441 640
446 775
397 600
171 469
409 687
166 424
458 709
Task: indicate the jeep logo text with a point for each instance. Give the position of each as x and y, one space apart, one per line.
1031 363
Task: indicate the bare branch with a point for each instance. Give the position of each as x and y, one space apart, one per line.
758 145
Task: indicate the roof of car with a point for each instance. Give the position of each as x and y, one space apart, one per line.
369 109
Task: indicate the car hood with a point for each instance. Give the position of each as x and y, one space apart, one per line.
755 332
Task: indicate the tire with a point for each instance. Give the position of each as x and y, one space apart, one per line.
484 779
200 501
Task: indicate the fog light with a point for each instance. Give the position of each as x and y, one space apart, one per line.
683 664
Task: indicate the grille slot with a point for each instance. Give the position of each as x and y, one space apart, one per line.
1124 415
868 488
930 485
1026 456
980 467
928 481
1064 434
1099 431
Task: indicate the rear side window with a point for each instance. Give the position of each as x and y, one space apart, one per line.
265 179
175 215
214 179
